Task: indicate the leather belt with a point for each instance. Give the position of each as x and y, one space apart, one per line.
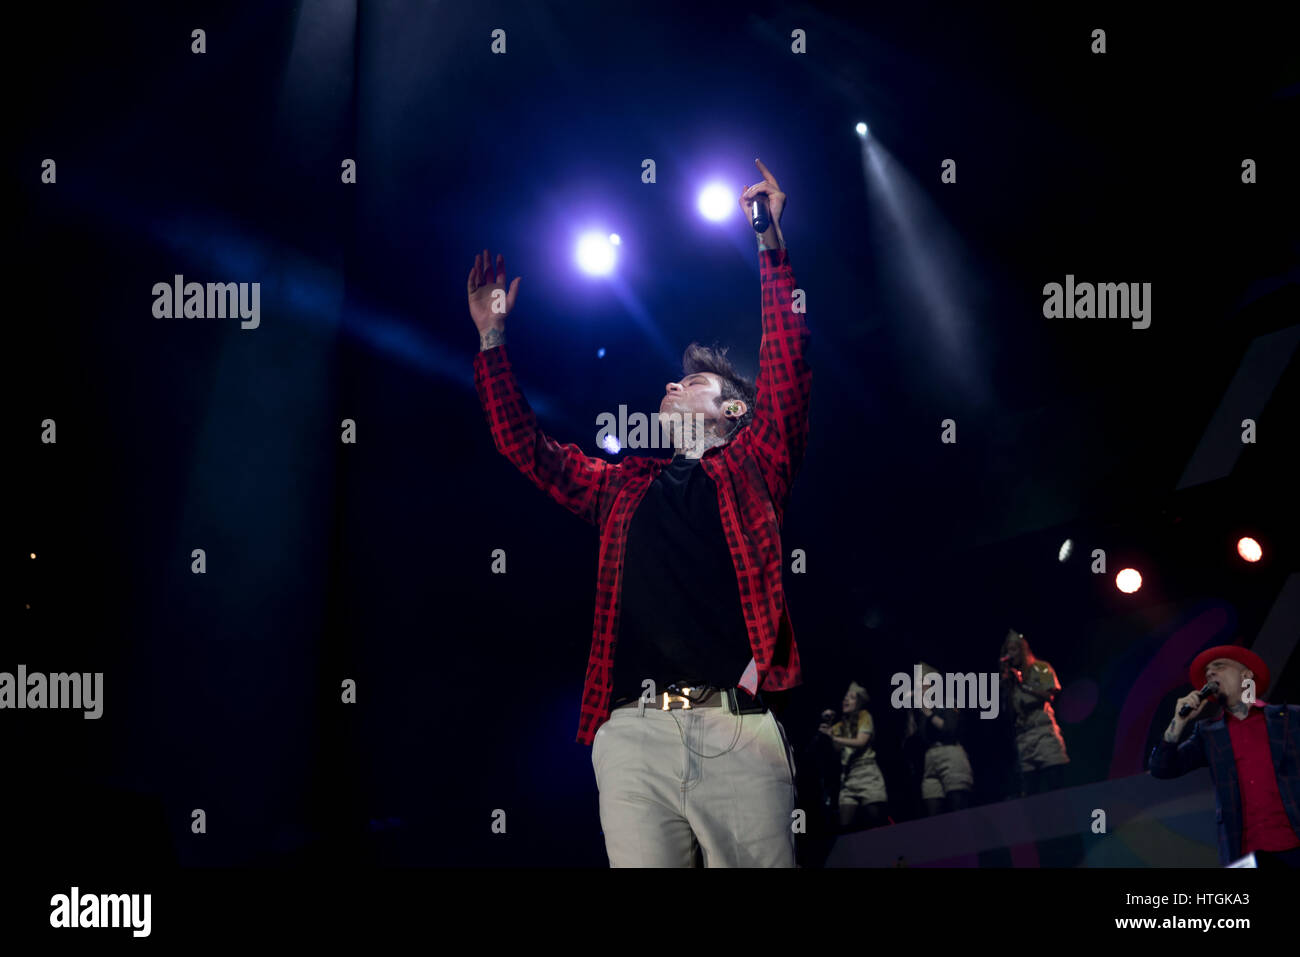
688 699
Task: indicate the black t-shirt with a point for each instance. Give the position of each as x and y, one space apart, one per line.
680 618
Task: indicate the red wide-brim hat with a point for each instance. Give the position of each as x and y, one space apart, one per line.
1243 656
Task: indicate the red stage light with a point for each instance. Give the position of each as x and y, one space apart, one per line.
1249 549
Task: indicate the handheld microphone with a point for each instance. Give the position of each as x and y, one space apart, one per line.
1209 689
758 214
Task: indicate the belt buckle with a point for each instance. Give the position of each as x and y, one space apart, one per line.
669 696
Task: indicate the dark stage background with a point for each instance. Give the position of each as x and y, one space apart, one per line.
371 561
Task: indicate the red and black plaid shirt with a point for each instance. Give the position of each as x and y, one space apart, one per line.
753 473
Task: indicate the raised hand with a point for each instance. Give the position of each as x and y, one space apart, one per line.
488 308
769 188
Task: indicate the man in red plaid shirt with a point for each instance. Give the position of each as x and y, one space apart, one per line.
691 763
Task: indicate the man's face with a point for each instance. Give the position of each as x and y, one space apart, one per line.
1228 675
697 394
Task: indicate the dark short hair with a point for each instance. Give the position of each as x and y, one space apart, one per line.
699 358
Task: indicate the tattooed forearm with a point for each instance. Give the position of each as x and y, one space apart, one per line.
772 239
491 338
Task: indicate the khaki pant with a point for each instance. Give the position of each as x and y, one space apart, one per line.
864 784
1040 746
677 783
946 769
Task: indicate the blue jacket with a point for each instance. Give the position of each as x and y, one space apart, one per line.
1210 745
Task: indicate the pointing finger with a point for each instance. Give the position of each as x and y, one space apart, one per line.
767 173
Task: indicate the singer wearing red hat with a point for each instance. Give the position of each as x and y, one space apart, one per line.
1252 750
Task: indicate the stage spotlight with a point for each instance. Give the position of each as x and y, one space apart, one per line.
611 445
1249 549
1066 548
861 130
1128 581
716 202
615 239
595 254
600 353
